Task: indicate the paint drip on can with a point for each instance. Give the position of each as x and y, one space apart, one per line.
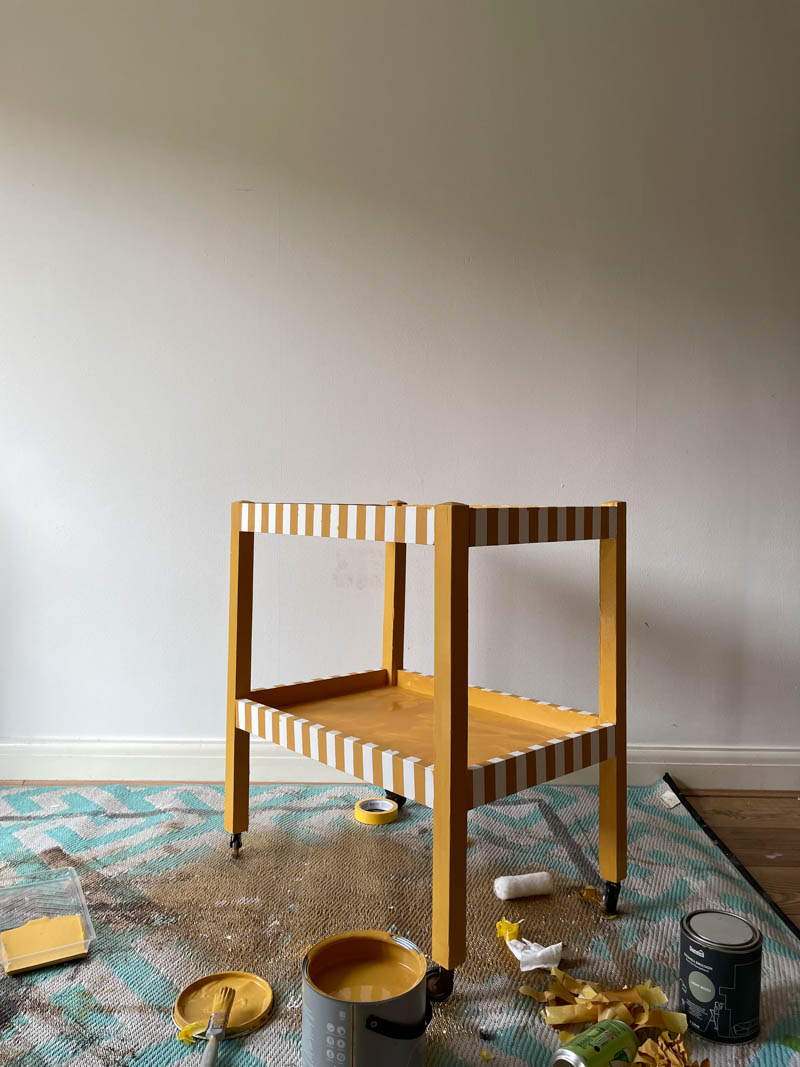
606 1043
720 971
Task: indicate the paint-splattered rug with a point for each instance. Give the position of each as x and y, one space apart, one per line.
169 905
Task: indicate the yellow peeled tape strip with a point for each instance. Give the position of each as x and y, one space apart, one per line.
187 1034
374 811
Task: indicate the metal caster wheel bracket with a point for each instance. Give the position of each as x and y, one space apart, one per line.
235 845
439 983
610 897
398 798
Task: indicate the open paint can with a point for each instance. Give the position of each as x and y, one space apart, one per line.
721 975
364 1002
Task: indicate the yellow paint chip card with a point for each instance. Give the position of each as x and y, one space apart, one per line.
40 942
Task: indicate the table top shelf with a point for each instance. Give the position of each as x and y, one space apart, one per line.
413 524
384 734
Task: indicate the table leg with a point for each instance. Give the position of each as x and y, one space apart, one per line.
240 639
450 736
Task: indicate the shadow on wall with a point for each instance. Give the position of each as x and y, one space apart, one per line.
675 646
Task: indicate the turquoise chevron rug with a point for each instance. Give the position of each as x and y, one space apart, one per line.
169 905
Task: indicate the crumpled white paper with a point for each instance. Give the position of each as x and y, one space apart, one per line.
533 957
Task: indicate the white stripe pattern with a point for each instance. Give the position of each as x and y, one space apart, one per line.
414 524
377 522
497 777
521 526
409 790
429 786
366 755
388 769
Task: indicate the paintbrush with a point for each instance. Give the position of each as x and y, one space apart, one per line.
218 1020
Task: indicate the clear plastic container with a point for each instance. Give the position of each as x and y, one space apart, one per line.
44 922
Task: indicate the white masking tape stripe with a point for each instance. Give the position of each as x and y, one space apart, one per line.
349 762
366 755
499 777
257 519
330 747
272 523
431 526
370 527
561 525
594 745
352 521
274 725
245 524
558 756
411 526
283 728
478 792
522 771
541 764
387 767
389 518
240 714
408 777
301 519
334 520
523 529
317 522
429 786
612 741
287 518
577 753
480 526
298 735
313 733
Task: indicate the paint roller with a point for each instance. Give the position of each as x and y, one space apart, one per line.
535 884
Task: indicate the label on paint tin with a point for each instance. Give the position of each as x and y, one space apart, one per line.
720 983
611 1043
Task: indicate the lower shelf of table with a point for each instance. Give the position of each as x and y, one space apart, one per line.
383 734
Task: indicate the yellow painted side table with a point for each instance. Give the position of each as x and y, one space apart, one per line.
435 740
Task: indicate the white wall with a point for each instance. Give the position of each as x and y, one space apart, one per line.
527 253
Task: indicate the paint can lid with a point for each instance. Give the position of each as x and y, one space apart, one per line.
722 930
251 1008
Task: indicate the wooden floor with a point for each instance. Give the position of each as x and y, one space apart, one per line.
763 830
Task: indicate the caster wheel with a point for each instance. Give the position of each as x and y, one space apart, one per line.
396 797
439 983
235 845
610 897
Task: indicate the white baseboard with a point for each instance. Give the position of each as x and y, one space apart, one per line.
53 760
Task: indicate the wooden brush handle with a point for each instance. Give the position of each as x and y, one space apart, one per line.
210 1054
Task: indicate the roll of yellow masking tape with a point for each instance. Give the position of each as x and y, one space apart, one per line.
374 811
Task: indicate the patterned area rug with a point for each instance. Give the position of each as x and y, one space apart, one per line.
169 904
